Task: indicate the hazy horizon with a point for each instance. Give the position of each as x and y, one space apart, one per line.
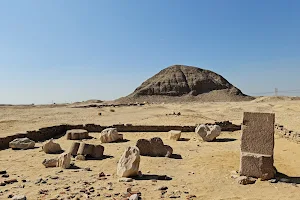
69 51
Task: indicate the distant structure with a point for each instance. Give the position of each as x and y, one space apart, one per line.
184 83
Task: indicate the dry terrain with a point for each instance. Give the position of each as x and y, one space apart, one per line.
204 169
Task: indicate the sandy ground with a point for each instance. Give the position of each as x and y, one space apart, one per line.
204 169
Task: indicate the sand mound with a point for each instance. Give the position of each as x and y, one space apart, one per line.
186 83
272 99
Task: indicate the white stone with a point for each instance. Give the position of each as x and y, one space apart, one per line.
51 147
208 133
174 135
22 143
134 197
19 197
80 157
128 165
125 179
64 160
110 135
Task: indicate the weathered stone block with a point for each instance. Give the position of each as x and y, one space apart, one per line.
258 133
129 163
77 134
22 143
90 150
74 148
51 147
64 160
110 135
154 147
174 135
257 165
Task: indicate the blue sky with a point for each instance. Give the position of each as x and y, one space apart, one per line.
66 51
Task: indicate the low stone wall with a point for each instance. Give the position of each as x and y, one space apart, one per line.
60 130
288 134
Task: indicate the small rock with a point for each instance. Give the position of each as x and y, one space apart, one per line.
109 187
274 180
191 196
101 174
5 175
3 172
38 181
80 157
234 176
10 181
50 162
42 191
10 196
163 188
134 197
244 180
125 179
174 135
19 197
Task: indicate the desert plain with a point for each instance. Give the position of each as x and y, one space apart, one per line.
201 170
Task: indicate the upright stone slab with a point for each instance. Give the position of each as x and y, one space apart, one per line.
257 145
258 133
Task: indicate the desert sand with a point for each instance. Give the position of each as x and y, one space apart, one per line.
204 170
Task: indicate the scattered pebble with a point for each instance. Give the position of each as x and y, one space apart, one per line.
163 188
125 179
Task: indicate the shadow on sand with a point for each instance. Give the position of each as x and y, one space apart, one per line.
176 156
103 157
224 140
283 178
184 139
121 141
153 177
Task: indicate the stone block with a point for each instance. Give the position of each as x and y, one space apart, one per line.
257 165
77 134
258 133
74 148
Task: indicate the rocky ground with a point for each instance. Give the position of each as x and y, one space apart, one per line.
199 170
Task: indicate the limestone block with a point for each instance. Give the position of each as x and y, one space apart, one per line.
22 143
174 135
110 135
208 132
128 165
64 160
74 148
51 148
154 147
77 134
